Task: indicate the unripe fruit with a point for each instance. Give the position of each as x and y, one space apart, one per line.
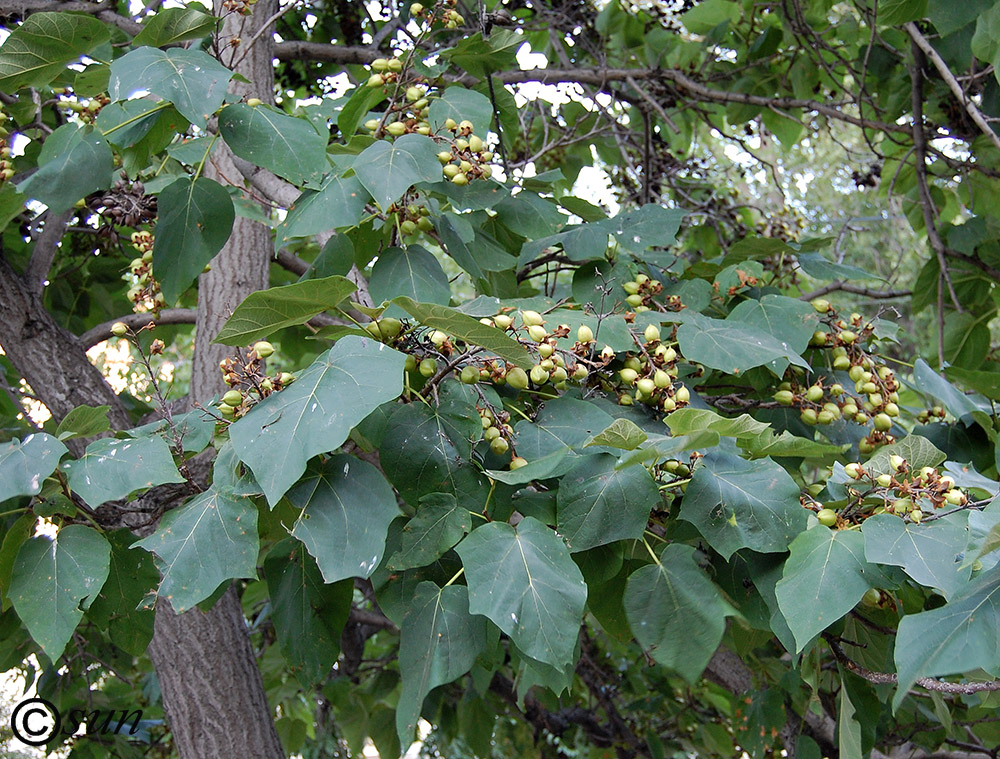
499 446
955 497
669 404
502 321
537 333
517 462
652 333
683 395
517 378
254 102
475 143
531 318
470 375
380 64
853 470
558 375
849 410
661 378
424 224
371 125
539 375
884 480
947 481
486 155
287 378
396 128
847 337
856 373
546 349
450 124
414 93
902 506
410 364
842 363
460 179
871 597
818 339
814 393
897 462
808 416
916 515
416 9
385 329
883 422
634 300
233 398
119 329
427 367
836 390
822 305
628 376
827 517
408 227
263 348
451 171
646 386
491 433
395 65
824 417
444 156
631 287
585 334
465 124
784 397
375 80
891 409
438 338
226 410
580 373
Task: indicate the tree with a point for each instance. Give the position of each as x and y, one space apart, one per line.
671 478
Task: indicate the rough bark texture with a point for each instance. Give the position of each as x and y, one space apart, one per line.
212 690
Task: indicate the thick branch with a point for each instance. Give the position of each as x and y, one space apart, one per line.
44 252
101 332
868 292
104 11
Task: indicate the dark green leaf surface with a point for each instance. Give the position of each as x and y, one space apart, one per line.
55 580
599 504
316 413
132 576
825 577
440 522
731 347
195 219
111 469
346 509
461 104
413 272
190 79
741 504
918 452
83 421
788 320
210 539
267 137
956 638
266 311
525 581
621 433
387 170
308 614
24 464
74 162
675 611
339 202
439 641
36 52
930 553
172 25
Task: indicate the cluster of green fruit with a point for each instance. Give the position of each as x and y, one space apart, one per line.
443 12
145 290
468 157
551 366
640 292
247 380
409 115
652 375
901 492
87 111
936 412
412 218
6 167
877 390
499 434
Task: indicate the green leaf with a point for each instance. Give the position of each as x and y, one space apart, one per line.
207 541
55 580
742 504
346 509
266 311
111 469
953 639
83 421
621 433
930 553
932 384
687 420
525 581
37 51
461 104
530 215
427 452
479 57
171 25
468 329
917 450
195 429
316 413
987 383
848 728
361 100
24 464
790 321
74 162
599 504
413 272
560 424
825 577
308 615
440 522
126 123
265 136
195 219
190 79
730 347
439 641
340 202
387 170
118 607
675 612
817 267
897 12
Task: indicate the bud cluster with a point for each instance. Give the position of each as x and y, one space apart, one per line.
412 218
443 13
640 292
243 7
498 433
87 111
244 374
145 290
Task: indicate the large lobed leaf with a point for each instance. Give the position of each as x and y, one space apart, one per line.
37 51
388 169
525 581
265 136
24 464
316 413
74 162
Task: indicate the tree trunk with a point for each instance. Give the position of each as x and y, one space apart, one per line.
212 690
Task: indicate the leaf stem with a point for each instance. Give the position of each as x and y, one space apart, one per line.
458 574
138 117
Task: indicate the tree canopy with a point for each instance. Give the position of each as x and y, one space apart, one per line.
415 420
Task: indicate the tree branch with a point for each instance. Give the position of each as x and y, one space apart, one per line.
104 11
45 250
868 292
93 336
